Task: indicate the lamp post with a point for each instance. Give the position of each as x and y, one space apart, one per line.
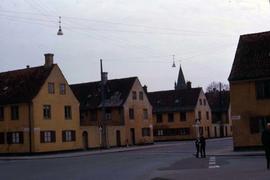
100 136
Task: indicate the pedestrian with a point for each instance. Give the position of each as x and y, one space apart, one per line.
202 146
266 143
197 145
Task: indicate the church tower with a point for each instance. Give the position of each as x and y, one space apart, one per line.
181 83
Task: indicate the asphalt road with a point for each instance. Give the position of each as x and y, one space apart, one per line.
174 161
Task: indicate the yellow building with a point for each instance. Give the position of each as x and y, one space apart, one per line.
219 101
127 113
38 111
250 90
180 114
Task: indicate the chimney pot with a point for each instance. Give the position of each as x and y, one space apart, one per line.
189 85
27 66
48 60
145 88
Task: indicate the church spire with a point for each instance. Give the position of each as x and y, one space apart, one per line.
181 83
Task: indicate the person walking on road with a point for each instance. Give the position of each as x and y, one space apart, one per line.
266 143
197 145
202 146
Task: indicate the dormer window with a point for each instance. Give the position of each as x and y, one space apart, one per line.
51 88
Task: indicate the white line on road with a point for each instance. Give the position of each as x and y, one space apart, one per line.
212 163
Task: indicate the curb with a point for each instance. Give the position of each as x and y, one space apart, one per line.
10 158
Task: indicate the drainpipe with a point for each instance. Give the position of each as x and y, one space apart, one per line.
30 127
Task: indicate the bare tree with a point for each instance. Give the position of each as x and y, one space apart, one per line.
216 86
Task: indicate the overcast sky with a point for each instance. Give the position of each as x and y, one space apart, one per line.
133 37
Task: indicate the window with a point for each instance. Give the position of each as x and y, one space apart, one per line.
184 131
51 88
170 117
258 124
2 138
134 95
263 89
200 101
204 102
47 111
145 114
207 115
172 132
146 132
160 132
108 114
62 89
68 113
183 116
141 95
47 136
15 137
199 115
131 113
159 118
1 113
68 136
14 112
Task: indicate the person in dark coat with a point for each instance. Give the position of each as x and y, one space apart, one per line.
202 144
197 144
266 143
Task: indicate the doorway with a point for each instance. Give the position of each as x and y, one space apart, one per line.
221 131
132 136
85 140
118 138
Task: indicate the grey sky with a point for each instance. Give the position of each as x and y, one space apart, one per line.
133 37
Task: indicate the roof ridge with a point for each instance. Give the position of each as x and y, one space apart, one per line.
23 69
92 82
176 90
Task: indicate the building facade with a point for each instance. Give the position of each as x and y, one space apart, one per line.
250 89
38 111
126 114
180 114
219 101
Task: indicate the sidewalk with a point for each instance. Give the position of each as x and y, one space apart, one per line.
231 152
224 152
84 153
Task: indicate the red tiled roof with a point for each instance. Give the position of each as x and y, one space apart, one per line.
89 94
174 100
252 58
219 101
22 85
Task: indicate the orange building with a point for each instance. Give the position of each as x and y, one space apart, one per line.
180 114
219 101
250 89
38 110
127 113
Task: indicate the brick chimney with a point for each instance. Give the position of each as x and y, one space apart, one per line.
48 60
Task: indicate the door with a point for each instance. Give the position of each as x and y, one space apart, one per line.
132 136
85 140
118 138
221 131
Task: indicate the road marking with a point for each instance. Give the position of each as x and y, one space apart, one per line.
212 163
